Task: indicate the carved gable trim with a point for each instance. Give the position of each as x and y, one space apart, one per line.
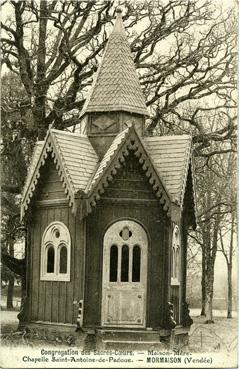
113 160
50 148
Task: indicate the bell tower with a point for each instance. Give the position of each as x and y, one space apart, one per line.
115 99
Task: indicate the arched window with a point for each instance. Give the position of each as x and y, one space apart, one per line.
175 264
55 253
125 264
136 264
113 263
63 260
50 259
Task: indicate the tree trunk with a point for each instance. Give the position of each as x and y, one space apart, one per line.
209 279
203 289
229 291
229 271
211 241
39 110
10 291
11 279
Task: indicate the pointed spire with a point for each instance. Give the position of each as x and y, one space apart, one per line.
119 27
116 86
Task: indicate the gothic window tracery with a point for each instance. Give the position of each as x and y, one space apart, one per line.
55 253
125 258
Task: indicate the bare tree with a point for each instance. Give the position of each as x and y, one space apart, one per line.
229 251
55 46
214 200
184 52
227 231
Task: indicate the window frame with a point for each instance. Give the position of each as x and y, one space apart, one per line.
130 261
49 239
176 257
47 248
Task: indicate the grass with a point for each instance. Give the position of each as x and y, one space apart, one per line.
218 337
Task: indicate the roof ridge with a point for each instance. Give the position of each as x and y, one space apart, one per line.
164 138
68 133
184 175
62 160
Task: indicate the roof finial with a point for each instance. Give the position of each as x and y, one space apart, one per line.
119 27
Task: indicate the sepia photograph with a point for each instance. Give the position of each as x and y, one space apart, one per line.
119 184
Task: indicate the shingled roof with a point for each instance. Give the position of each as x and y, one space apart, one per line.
171 157
116 85
75 160
165 161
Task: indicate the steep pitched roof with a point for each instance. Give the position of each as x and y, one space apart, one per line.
165 161
116 85
171 157
75 161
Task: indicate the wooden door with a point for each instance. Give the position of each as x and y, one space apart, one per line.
124 275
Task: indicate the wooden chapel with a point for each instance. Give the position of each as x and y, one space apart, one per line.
107 211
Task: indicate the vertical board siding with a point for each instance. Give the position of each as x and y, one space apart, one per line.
29 271
156 271
52 301
42 284
92 302
129 195
70 285
36 266
30 275
97 223
78 272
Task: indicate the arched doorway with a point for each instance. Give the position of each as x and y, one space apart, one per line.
124 275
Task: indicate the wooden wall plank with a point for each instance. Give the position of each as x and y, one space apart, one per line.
29 270
78 265
41 307
62 303
69 285
36 266
31 274
49 185
92 301
155 270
